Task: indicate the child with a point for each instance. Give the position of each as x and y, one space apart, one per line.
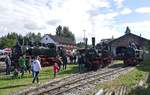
55 69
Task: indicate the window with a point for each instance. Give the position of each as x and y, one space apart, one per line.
46 38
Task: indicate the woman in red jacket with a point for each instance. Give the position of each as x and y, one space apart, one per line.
55 69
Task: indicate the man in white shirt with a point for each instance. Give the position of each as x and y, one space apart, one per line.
36 68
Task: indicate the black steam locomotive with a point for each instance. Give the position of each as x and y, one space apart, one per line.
47 54
96 56
132 55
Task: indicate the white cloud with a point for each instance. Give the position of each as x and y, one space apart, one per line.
79 19
139 28
143 10
103 26
16 15
126 11
119 3
44 16
106 32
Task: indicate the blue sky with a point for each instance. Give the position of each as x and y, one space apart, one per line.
99 18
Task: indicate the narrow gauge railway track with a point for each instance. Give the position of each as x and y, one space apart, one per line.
56 82
60 89
66 84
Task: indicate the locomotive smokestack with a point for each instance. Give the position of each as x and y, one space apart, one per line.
93 42
86 42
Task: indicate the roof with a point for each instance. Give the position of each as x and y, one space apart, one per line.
141 39
106 40
62 40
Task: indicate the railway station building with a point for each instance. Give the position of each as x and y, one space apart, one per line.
118 45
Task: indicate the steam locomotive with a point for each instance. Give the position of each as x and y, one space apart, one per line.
47 54
97 56
133 55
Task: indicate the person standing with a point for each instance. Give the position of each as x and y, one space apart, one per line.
32 66
59 61
8 64
55 69
74 58
22 65
64 59
28 64
36 69
79 62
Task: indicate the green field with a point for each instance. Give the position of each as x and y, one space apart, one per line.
9 85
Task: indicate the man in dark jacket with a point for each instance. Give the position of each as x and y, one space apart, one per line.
64 59
8 64
80 61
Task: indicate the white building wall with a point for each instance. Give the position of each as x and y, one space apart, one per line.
46 39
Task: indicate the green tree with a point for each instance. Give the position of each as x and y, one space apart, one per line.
37 38
32 38
64 32
11 38
59 30
127 30
81 45
20 39
67 33
149 45
8 41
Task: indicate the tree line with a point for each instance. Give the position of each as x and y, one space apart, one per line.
10 39
64 31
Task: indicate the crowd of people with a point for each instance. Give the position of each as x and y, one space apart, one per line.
22 65
33 65
19 63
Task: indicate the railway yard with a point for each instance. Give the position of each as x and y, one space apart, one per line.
79 83
89 83
75 47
